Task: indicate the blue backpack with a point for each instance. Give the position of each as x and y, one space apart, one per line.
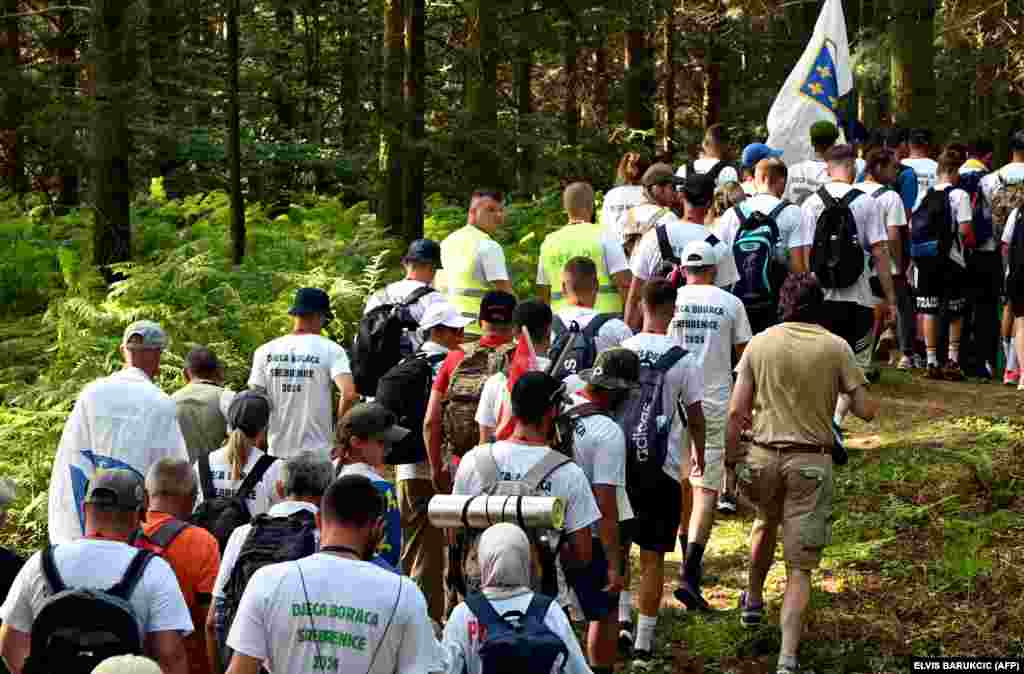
931 226
520 646
761 274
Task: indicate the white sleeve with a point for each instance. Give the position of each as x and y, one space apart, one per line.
804 235
876 231
726 274
455 640
1011 223
558 623
581 510
691 388
229 559
614 256
646 256
490 398
419 652
492 261
17 608
167 609
610 463
338 360
249 629
64 523
465 476
741 325
962 207
258 375
728 226
542 279
897 213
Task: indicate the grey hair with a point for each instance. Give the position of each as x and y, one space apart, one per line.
306 475
170 477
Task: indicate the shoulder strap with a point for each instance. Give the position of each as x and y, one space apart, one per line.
434 358
418 294
558 326
483 609
596 323
825 197
132 575
741 216
880 191
849 197
166 534
486 466
551 462
50 572
253 478
669 359
777 211
206 476
539 606
667 254
657 216
587 410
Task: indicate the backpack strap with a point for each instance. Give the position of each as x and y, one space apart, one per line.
657 216
669 359
558 326
667 254
486 466
595 325
539 605
849 197
587 410
254 477
167 532
541 470
132 575
484 611
50 572
416 295
206 477
880 191
826 197
777 211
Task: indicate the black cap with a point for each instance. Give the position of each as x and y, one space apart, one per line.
699 189
498 306
373 420
534 394
311 301
249 412
424 250
616 369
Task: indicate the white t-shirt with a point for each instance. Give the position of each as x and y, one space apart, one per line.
496 395
97 564
613 256
647 255
599 448
396 293
339 615
421 470
262 497
1011 224
610 335
1011 174
870 230
462 636
960 205
120 421
704 165
894 214
805 178
616 203
925 170
788 221
297 372
684 382
237 540
708 323
514 461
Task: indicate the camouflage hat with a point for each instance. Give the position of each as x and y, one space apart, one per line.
614 369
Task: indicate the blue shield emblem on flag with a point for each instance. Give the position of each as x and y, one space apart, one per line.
820 83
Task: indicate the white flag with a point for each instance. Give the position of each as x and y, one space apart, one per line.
813 89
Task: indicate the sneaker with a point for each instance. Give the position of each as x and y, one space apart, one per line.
691 598
783 669
933 372
643 660
906 363
727 504
1011 377
919 362
750 616
625 638
952 372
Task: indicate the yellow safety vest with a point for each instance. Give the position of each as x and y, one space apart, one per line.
459 253
578 240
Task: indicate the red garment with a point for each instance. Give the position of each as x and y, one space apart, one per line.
452 360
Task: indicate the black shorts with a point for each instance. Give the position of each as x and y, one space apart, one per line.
589 582
654 528
941 285
852 322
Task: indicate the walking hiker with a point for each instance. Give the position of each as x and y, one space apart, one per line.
200 403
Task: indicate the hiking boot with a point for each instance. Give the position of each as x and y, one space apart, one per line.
750 616
952 372
906 363
691 598
933 372
625 638
919 362
1011 377
727 504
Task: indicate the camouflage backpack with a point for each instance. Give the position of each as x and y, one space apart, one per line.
460 432
1007 197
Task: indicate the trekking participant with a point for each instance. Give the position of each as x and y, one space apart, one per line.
599 448
727 197
96 435
580 238
1013 250
938 230
712 325
789 380
848 304
629 192
191 551
659 186
806 177
388 330
52 625
761 300
753 154
544 643
666 242
296 372
127 664
658 500
236 482
527 459
200 402
450 424
895 139
581 319
286 532
365 436
473 261
712 160
919 143
377 620
405 390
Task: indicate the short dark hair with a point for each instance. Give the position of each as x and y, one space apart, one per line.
920 137
715 136
895 136
660 296
488 193
1017 142
877 160
950 161
581 275
533 396
801 299
201 360
352 500
981 146
536 317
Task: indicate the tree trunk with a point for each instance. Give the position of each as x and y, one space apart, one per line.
640 84
911 35
714 86
527 159
669 57
113 56
287 111
601 86
392 202
571 106
416 110
235 139
12 169
69 68
482 95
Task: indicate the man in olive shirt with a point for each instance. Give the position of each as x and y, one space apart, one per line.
788 381
199 402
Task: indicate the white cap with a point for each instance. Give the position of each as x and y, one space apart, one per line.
442 313
699 254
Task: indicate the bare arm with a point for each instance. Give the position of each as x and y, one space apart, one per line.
623 280
432 439
349 397
738 349
608 532
896 246
634 317
243 664
864 406
880 251
543 293
486 434
579 545
14 648
741 407
505 286
697 428
798 259
168 648
212 650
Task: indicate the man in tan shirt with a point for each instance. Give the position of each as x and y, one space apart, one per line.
788 381
198 403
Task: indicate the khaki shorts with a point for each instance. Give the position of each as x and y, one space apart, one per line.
714 451
794 490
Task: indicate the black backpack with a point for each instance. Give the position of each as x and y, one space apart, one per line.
405 390
713 172
520 646
271 540
378 344
1015 259
578 344
981 211
567 427
647 425
221 515
931 226
760 274
76 629
837 258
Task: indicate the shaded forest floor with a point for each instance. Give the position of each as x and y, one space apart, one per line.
927 553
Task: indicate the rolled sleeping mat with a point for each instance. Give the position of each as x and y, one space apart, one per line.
480 512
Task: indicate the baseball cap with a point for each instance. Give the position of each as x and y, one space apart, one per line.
660 174
824 133
311 301
841 153
699 189
153 336
614 369
373 420
249 412
755 152
699 254
534 394
498 306
115 489
442 313
424 250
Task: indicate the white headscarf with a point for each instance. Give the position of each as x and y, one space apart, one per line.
504 555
